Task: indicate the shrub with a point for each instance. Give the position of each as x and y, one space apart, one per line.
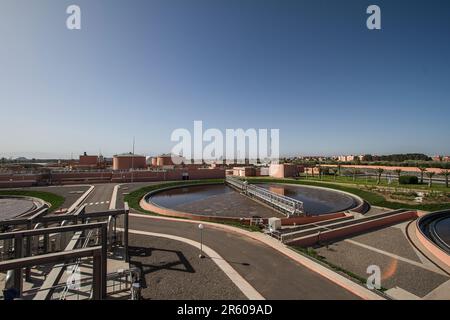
409 180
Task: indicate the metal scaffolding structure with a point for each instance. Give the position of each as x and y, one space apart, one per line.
283 204
62 241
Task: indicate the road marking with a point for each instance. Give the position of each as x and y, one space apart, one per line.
321 270
80 200
245 287
102 202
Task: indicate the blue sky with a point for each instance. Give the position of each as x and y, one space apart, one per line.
146 67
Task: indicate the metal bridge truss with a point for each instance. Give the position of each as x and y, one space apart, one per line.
286 205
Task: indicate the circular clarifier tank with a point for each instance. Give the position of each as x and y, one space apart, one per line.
442 229
316 201
223 201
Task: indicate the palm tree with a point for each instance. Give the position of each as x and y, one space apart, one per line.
430 175
379 172
399 173
445 173
335 172
422 171
355 172
320 170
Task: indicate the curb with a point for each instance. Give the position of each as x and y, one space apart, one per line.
242 284
334 277
80 200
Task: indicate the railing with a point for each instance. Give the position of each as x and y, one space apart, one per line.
286 205
76 267
99 272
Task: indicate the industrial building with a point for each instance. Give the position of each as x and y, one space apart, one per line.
285 170
129 161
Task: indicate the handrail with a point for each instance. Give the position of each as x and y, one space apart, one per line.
285 204
98 273
50 258
53 219
43 231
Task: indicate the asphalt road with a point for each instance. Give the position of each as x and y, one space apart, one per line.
271 273
172 271
99 198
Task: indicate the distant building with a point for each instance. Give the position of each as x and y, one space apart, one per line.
170 161
244 171
164 160
437 158
349 158
441 158
88 161
129 161
284 170
311 171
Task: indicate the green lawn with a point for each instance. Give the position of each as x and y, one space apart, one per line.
372 181
54 200
371 197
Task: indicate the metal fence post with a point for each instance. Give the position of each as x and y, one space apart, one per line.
46 240
28 253
18 281
104 259
126 225
97 285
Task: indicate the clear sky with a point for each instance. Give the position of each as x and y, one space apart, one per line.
143 68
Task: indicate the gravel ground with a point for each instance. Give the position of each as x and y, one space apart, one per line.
173 271
394 272
389 239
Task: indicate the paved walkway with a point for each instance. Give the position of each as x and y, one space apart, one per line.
271 273
173 269
406 273
272 270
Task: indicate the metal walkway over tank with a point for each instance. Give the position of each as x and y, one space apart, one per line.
286 205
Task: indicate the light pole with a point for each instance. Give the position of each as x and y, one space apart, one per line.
200 226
